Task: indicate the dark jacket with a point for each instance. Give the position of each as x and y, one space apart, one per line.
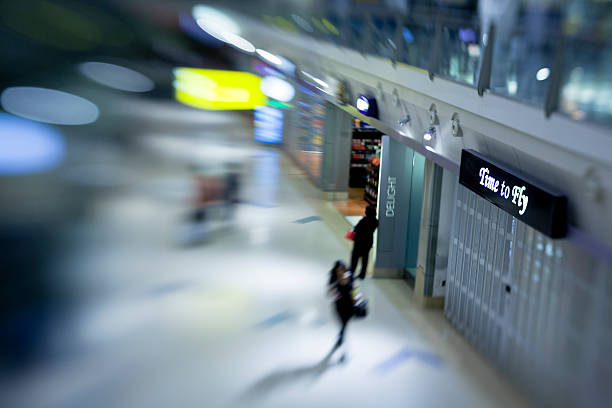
343 297
364 233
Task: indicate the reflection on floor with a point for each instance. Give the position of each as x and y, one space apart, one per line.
355 205
242 320
353 219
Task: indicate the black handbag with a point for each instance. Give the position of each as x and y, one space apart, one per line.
360 308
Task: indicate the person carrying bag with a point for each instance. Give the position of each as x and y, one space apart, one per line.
347 299
360 303
363 238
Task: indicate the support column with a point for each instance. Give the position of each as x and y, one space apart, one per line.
428 238
393 205
337 153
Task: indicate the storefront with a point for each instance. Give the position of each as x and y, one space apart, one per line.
488 244
339 153
415 210
363 171
399 210
317 135
528 298
305 137
503 220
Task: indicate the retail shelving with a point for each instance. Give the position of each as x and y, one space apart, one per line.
365 145
371 187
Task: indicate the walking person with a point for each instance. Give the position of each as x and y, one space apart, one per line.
232 189
197 226
341 288
363 240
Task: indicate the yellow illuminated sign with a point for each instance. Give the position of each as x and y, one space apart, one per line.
216 89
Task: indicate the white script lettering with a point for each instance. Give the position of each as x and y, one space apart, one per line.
390 212
505 190
519 198
488 181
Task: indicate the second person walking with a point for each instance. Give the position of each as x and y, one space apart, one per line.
363 240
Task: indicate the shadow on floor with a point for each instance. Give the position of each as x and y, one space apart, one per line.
278 379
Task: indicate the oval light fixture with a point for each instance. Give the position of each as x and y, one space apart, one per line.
48 105
237 41
277 88
319 82
214 22
116 76
281 63
269 57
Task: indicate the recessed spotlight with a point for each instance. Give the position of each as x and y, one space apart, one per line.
542 74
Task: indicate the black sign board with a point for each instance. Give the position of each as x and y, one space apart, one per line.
527 200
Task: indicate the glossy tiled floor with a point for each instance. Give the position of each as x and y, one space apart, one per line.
354 206
242 319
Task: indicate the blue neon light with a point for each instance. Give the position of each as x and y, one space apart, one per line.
268 125
27 146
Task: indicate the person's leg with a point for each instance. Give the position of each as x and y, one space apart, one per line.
342 325
341 334
364 264
344 314
354 259
343 345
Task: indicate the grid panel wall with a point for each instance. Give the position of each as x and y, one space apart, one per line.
539 308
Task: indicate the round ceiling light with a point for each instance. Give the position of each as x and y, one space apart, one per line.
277 88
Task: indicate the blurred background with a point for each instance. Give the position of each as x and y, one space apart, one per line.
89 114
100 167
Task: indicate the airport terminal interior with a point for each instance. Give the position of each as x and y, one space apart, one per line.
365 203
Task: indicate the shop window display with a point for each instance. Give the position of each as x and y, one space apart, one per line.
309 119
366 145
373 170
364 169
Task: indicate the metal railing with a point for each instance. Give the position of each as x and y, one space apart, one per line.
556 55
